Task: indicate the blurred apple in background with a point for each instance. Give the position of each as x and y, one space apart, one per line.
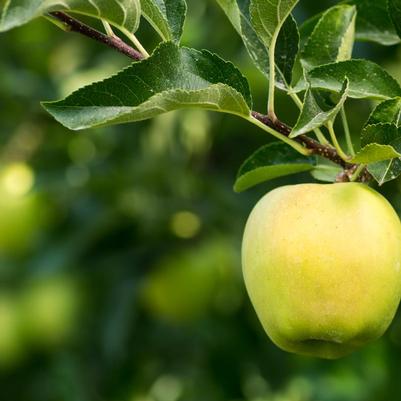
49 309
22 211
186 286
41 314
12 345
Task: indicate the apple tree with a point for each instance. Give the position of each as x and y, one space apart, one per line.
312 63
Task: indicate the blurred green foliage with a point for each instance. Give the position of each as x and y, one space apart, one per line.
120 248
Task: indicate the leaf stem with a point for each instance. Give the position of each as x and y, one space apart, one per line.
347 132
320 136
63 26
357 172
108 28
296 100
336 144
294 144
272 77
136 42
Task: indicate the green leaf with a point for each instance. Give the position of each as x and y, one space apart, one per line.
388 111
167 17
172 78
380 133
269 162
313 116
237 12
380 142
287 47
326 172
307 27
385 171
124 14
373 22
366 79
332 38
278 31
268 17
394 7
374 152
286 52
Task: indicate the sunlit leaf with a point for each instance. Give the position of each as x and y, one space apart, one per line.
172 78
375 152
381 151
366 79
332 38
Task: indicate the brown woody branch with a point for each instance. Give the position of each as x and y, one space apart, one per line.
113 42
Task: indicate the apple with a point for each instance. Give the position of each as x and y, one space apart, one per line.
12 341
23 212
322 266
187 285
49 310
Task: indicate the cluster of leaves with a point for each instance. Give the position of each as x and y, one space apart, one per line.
315 58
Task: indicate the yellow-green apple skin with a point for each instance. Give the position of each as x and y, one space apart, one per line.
322 266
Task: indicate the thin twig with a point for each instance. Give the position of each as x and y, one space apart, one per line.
111 41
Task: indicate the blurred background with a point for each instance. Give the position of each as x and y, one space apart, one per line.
120 276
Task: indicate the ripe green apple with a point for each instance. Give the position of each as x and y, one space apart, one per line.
187 285
322 265
49 310
12 340
23 212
